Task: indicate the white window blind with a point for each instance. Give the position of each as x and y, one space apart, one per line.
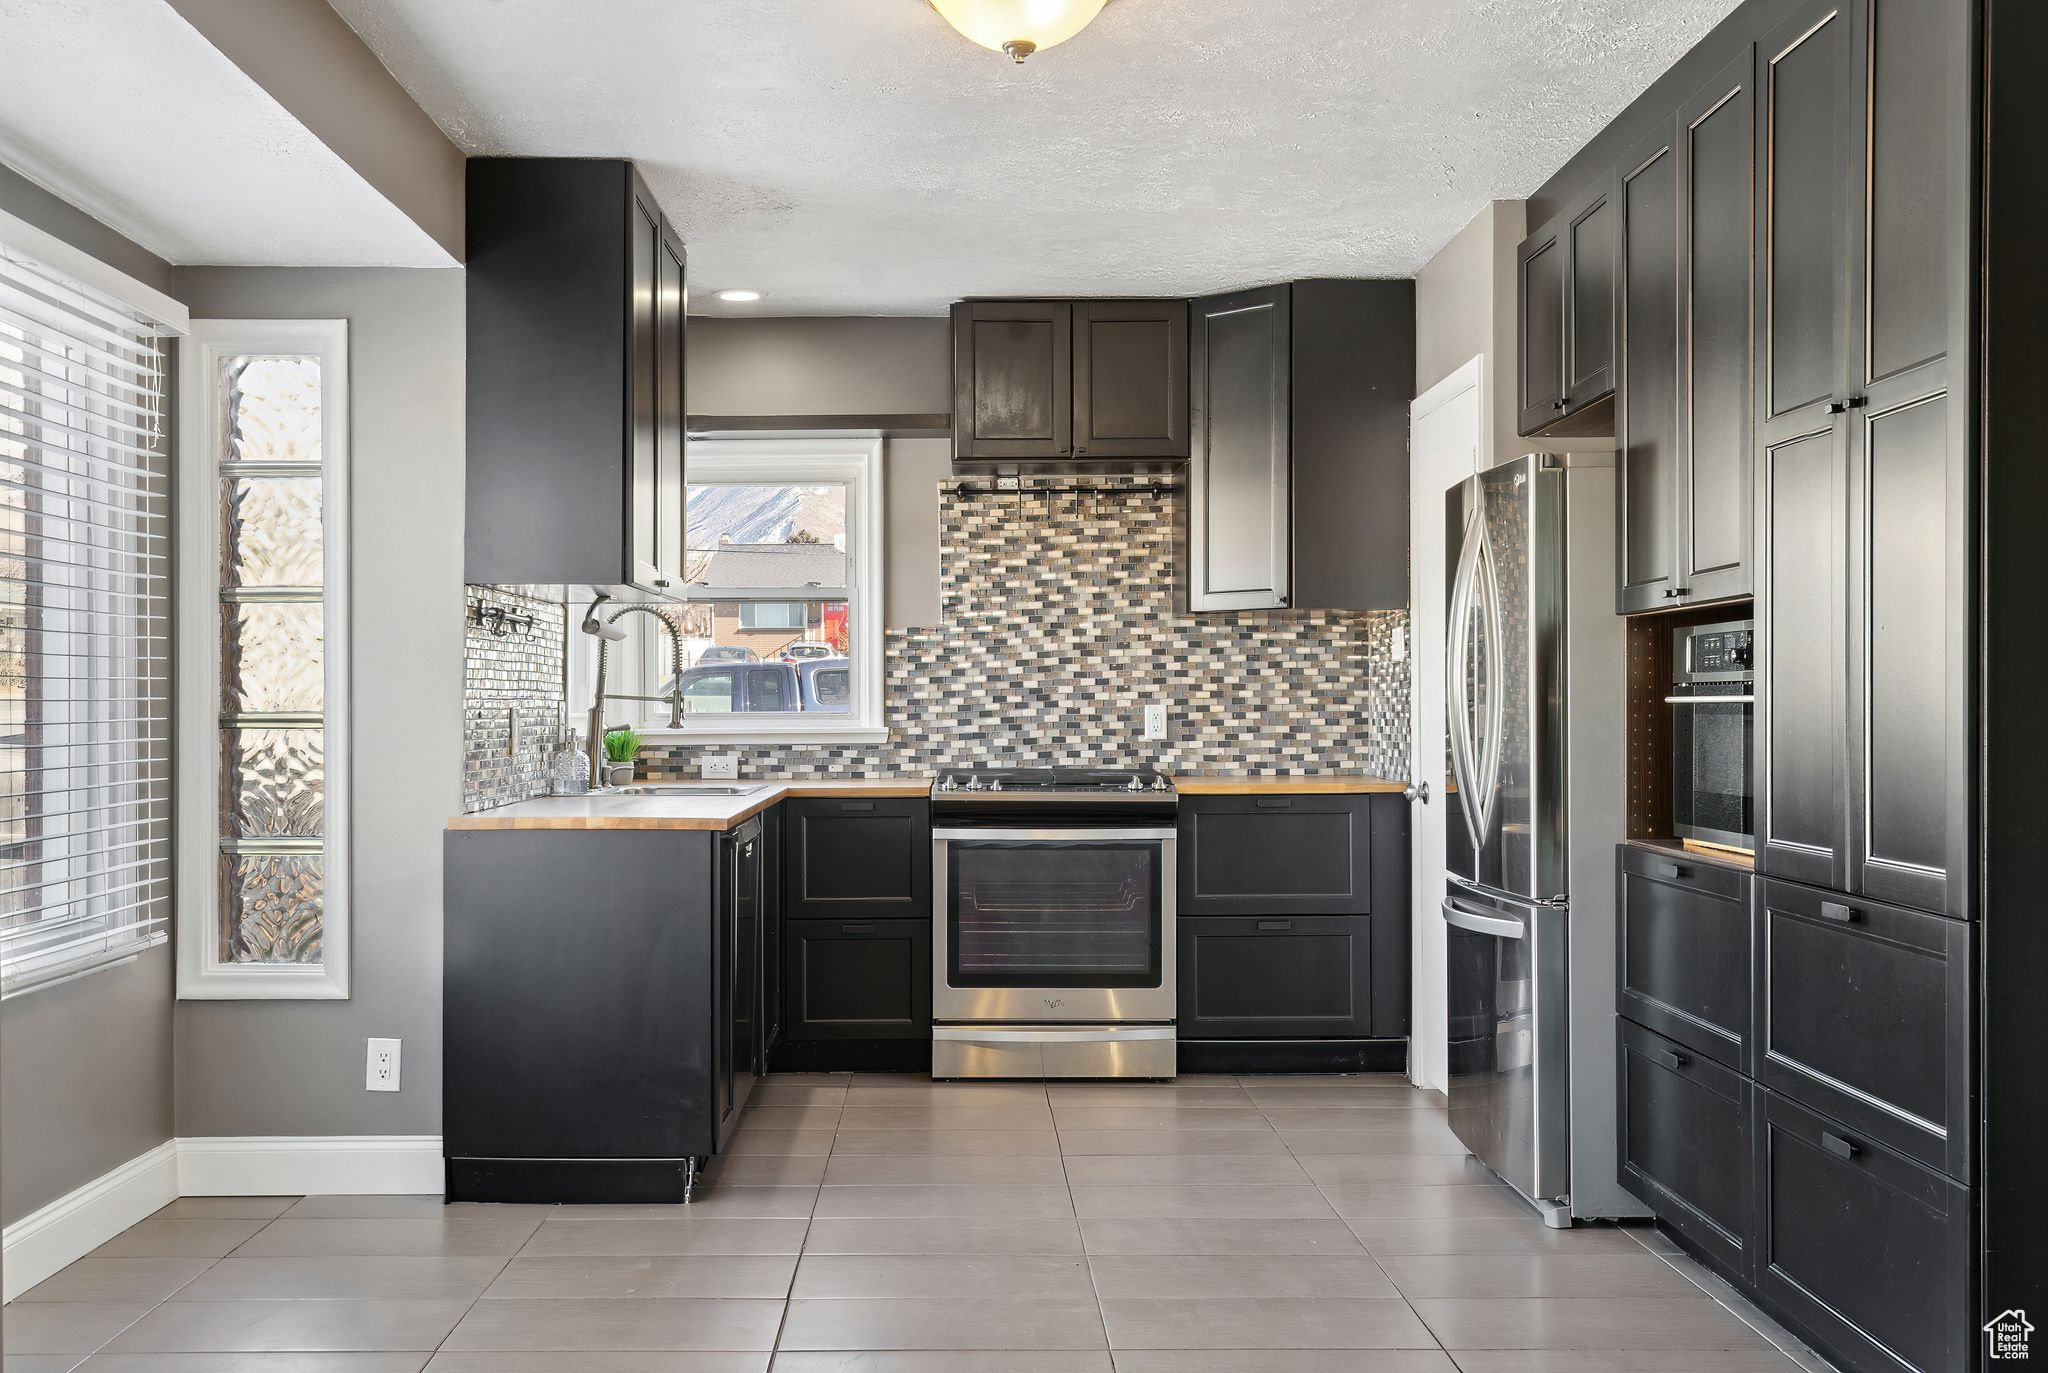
85 868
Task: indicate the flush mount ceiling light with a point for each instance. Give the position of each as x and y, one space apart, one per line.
1018 27
740 295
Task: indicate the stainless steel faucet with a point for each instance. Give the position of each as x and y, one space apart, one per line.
607 635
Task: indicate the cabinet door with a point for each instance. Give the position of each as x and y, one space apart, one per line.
1716 452
671 418
1239 535
1684 952
769 1025
1589 299
1253 977
1686 1143
1130 379
1275 855
1539 293
643 395
1646 488
859 979
853 858
1865 1252
1909 575
1864 1012
1013 388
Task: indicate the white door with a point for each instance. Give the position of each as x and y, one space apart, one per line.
1443 450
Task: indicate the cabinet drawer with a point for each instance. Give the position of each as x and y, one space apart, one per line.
1275 855
1685 1142
1684 961
1869 1251
1275 977
853 858
1863 1012
859 979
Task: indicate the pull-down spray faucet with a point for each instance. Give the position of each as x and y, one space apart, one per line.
607 632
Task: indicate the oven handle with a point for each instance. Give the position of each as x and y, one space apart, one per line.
1061 1034
1078 834
1709 700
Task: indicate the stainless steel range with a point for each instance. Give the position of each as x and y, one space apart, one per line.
1053 923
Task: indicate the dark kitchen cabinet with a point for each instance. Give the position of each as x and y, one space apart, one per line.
1863 1012
1864 1252
1054 381
1255 977
857 858
1685 951
740 957
1298 464
1685 494
1275 855
1686 1143
575 287
859 979
1565 286
770 1031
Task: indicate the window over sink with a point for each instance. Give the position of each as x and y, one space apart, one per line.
780 613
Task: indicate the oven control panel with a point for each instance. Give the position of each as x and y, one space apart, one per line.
1716 651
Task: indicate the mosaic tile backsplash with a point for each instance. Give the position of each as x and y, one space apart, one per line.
1061 620
518 671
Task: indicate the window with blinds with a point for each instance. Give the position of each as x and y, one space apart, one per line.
85 857
263 666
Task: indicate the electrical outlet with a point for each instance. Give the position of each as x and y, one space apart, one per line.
1155 720
725 765
381 1072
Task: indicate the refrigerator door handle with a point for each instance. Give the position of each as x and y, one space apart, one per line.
1487 576
1467 919
1457 697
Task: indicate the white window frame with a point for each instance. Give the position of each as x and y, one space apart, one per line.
858 463
201 973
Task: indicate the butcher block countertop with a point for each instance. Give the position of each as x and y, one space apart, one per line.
1319 784
613 811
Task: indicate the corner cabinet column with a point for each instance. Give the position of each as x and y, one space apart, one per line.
1239 533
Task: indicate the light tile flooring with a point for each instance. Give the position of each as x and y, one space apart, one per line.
896 1225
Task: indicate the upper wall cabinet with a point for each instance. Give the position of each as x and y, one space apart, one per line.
1684 202
1080 382
576 302
1298 474
1565 275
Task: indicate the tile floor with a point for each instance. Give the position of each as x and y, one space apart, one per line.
896 1225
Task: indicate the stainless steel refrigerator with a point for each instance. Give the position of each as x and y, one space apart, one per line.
1534 703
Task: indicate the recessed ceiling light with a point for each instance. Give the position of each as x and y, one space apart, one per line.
740 295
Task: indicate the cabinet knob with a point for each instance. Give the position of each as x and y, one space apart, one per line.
1858 402
1837 407
1081 450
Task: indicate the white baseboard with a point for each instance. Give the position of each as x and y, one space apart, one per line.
79 1222
309 1165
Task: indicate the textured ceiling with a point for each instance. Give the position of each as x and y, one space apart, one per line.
123 109
859 157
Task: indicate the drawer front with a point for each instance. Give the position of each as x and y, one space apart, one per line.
853 858
858 979
1275 855
1868 1250
1275 977
1686 1142
1863 1013
1685 956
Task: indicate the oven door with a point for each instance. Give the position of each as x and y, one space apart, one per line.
1058 924
1713 740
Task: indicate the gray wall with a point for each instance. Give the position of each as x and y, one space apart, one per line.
296 1067
85 1066
847 366
1465 307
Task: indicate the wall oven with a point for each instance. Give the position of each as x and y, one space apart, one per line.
1053 925
1713 734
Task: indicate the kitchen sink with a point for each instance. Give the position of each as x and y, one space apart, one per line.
692 789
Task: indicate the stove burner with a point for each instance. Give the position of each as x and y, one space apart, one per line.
1051 781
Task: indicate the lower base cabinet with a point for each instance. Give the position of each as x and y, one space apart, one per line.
1686 1142
858 979
1304 977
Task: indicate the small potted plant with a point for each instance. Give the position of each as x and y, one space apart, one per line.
621 750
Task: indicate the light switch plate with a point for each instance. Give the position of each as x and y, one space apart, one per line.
721 765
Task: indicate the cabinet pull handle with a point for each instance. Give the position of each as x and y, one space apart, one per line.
865 927
1671 1060
1275 802
1838 1146
856 805
1276 924
1678 870
1839 913
1838 407
1858 402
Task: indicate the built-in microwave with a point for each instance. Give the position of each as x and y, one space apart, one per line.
1713 733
